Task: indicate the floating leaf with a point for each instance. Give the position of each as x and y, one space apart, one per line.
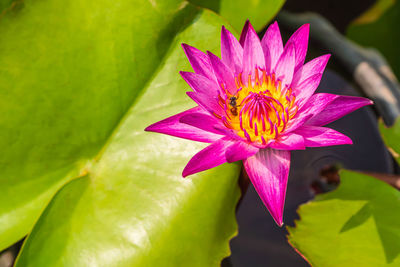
236 12
391 136
133 207
374 13
355 225
69 72
381 33
79 83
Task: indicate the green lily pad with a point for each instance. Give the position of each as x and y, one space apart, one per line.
70 71
79 83
355 225
236 12
391 136
374 12
133 208
378 28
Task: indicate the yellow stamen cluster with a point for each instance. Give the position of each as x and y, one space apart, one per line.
260 109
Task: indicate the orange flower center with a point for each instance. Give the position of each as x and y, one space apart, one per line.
260 110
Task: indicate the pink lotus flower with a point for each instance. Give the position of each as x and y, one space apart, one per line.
256 104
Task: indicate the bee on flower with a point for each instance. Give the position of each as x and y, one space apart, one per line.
256 103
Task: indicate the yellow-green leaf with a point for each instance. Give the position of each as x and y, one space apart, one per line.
355 225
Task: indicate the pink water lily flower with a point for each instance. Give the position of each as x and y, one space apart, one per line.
256 103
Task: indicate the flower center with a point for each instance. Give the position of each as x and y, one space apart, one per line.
260 109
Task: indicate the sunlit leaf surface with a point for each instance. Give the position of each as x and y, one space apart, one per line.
355 225
133 207
79 82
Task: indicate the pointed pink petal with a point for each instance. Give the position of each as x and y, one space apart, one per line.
268 171
205 92
225 76
315 136
341 106
292 141
208 102
239 151
231 51
315 66
272 46
315 104
209 157
253 55
203 121
228 132
300 40
306 89
243 34
285 66
199 61
200 84
172 126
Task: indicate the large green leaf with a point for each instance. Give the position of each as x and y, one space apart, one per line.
391 136
69 71
259 12
380 31
356 225
133 208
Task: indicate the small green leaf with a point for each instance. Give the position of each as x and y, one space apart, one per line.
355 225
375 12
391 136
237 12
381 33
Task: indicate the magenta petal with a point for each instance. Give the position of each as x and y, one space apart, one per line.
306 89
292 141
253 55
243 34
341 106
315 136
231 51
200 84
315 104
205 92
224 74
268 171
206 101
272 46
315 66
239 151
285 66
199 61
172 126
300 40
202 121
209 157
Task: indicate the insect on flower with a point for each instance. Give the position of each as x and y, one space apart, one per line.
256 104
233 104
